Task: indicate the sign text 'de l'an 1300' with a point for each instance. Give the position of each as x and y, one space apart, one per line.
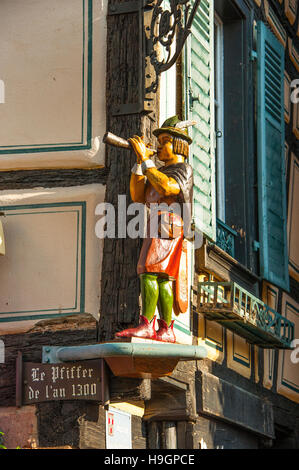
67 381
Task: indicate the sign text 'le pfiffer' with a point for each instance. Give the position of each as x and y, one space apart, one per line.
39 383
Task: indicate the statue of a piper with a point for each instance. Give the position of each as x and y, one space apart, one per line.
162 264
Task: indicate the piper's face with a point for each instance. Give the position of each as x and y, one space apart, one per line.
165 147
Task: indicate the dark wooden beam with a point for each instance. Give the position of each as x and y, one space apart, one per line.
129 390
120 285
27 179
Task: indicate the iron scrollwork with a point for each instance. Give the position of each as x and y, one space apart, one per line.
167 25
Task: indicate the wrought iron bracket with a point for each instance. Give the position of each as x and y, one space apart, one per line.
163 33
168 27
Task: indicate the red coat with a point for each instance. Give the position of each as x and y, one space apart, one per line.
162 254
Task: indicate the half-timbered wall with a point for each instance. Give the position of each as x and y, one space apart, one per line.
53 176
62 285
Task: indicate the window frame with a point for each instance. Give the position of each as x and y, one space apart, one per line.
219 116
238 130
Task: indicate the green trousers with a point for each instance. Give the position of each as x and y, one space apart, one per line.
156 291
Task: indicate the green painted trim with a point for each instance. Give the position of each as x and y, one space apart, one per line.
181 328
213 345
226 227
37 206
38 317
288 385
77 256
212 342
79 204
71 146
240 361
83 73
245 361
89 79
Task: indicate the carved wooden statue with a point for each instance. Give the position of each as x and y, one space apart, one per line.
162 264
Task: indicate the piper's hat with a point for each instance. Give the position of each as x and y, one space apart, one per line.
175 127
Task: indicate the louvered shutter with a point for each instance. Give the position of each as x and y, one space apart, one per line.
271 167
200 84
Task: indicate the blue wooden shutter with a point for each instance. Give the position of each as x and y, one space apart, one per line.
200 84
271 167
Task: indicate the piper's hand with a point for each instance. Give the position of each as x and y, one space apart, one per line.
143 153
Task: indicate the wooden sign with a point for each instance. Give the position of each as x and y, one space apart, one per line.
37 383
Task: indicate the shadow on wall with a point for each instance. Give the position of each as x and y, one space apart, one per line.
212 433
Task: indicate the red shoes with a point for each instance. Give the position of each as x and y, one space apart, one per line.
146 330
165 333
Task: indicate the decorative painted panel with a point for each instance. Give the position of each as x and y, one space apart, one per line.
296 120
275 24
293 218
294 55
287 97
211 336
290 9
287 149
53 258
239 357
54 110
288 370
270 297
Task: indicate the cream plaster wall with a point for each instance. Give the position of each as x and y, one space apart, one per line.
53 66
53 258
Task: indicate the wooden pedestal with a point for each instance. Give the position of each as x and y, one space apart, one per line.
141 367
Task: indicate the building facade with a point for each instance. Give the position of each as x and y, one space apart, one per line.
72 73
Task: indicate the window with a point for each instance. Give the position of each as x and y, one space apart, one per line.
218 98
238 160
